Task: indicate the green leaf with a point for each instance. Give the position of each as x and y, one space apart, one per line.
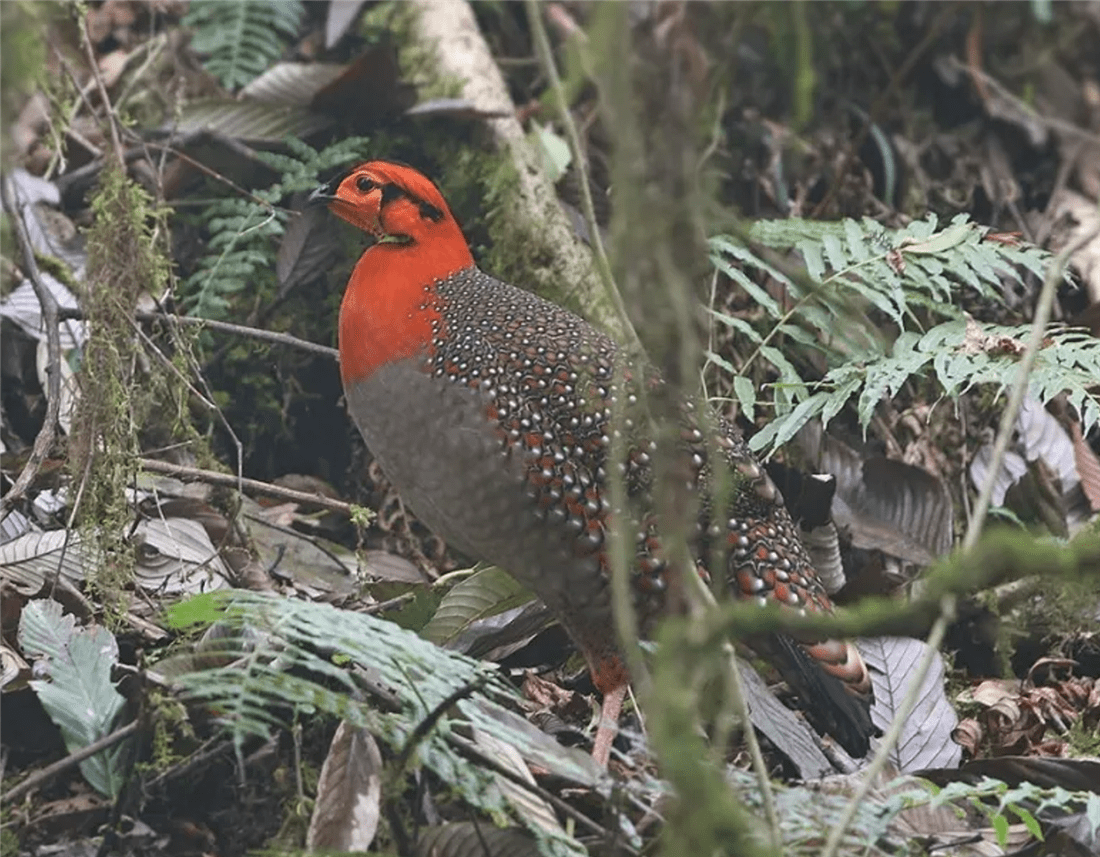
938 242
556 155
745 391
738 276
203 609
485 593
782 429
811 255
738 324
78 694
1029 821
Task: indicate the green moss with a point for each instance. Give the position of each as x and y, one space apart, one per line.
480 184
1084 738
397 21
122 393
9 842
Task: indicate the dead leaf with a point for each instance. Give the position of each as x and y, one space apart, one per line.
345 815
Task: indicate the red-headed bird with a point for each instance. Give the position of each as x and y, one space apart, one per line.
489 409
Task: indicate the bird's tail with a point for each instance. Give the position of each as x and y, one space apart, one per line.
832 679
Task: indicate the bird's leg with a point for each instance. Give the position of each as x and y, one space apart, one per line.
609 724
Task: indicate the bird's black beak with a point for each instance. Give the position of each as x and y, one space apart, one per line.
326 193
322 195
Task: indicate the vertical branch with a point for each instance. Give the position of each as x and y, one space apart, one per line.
111 119
580 162
649 96
44 440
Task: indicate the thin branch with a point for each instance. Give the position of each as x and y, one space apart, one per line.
75 758
603 264
421 730
224 327
741 705
870 774
474 753
112 120
226 480
44 441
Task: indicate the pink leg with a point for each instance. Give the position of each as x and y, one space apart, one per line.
609 724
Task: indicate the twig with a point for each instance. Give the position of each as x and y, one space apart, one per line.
420 732
1019 387
44 440
210 749
112 120
226 480
1051 122
224 327
580 161
901 720
169 365
741 705
474 754
50 771
389 604
86 172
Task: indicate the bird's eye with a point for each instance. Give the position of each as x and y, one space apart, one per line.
364 184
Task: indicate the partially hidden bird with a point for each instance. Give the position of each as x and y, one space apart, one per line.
490 411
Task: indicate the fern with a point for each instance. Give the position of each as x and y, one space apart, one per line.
240 252
240 40
911 276
244 233
999 802
294 663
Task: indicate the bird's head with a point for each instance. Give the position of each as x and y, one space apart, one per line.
389 311
397 205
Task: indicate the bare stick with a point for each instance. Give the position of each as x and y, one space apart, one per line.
226 480
48 433
50 771
224 327
112 120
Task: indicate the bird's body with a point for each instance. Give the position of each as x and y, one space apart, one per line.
490 411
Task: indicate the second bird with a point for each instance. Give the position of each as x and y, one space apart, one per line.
489 409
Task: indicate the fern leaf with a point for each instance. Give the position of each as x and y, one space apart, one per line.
243 234
923 266
291 663
240 40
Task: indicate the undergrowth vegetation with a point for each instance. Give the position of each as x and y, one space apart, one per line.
238 41
123 395
808 322
884 308
242 233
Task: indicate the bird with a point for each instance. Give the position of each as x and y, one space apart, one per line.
490 410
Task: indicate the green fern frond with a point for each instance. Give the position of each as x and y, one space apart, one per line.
240 255
912 276
243 234
958 355
240 40
894 271
287 657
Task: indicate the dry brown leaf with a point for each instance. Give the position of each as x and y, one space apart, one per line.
345 816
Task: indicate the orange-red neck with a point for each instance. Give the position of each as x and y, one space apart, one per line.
390 303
